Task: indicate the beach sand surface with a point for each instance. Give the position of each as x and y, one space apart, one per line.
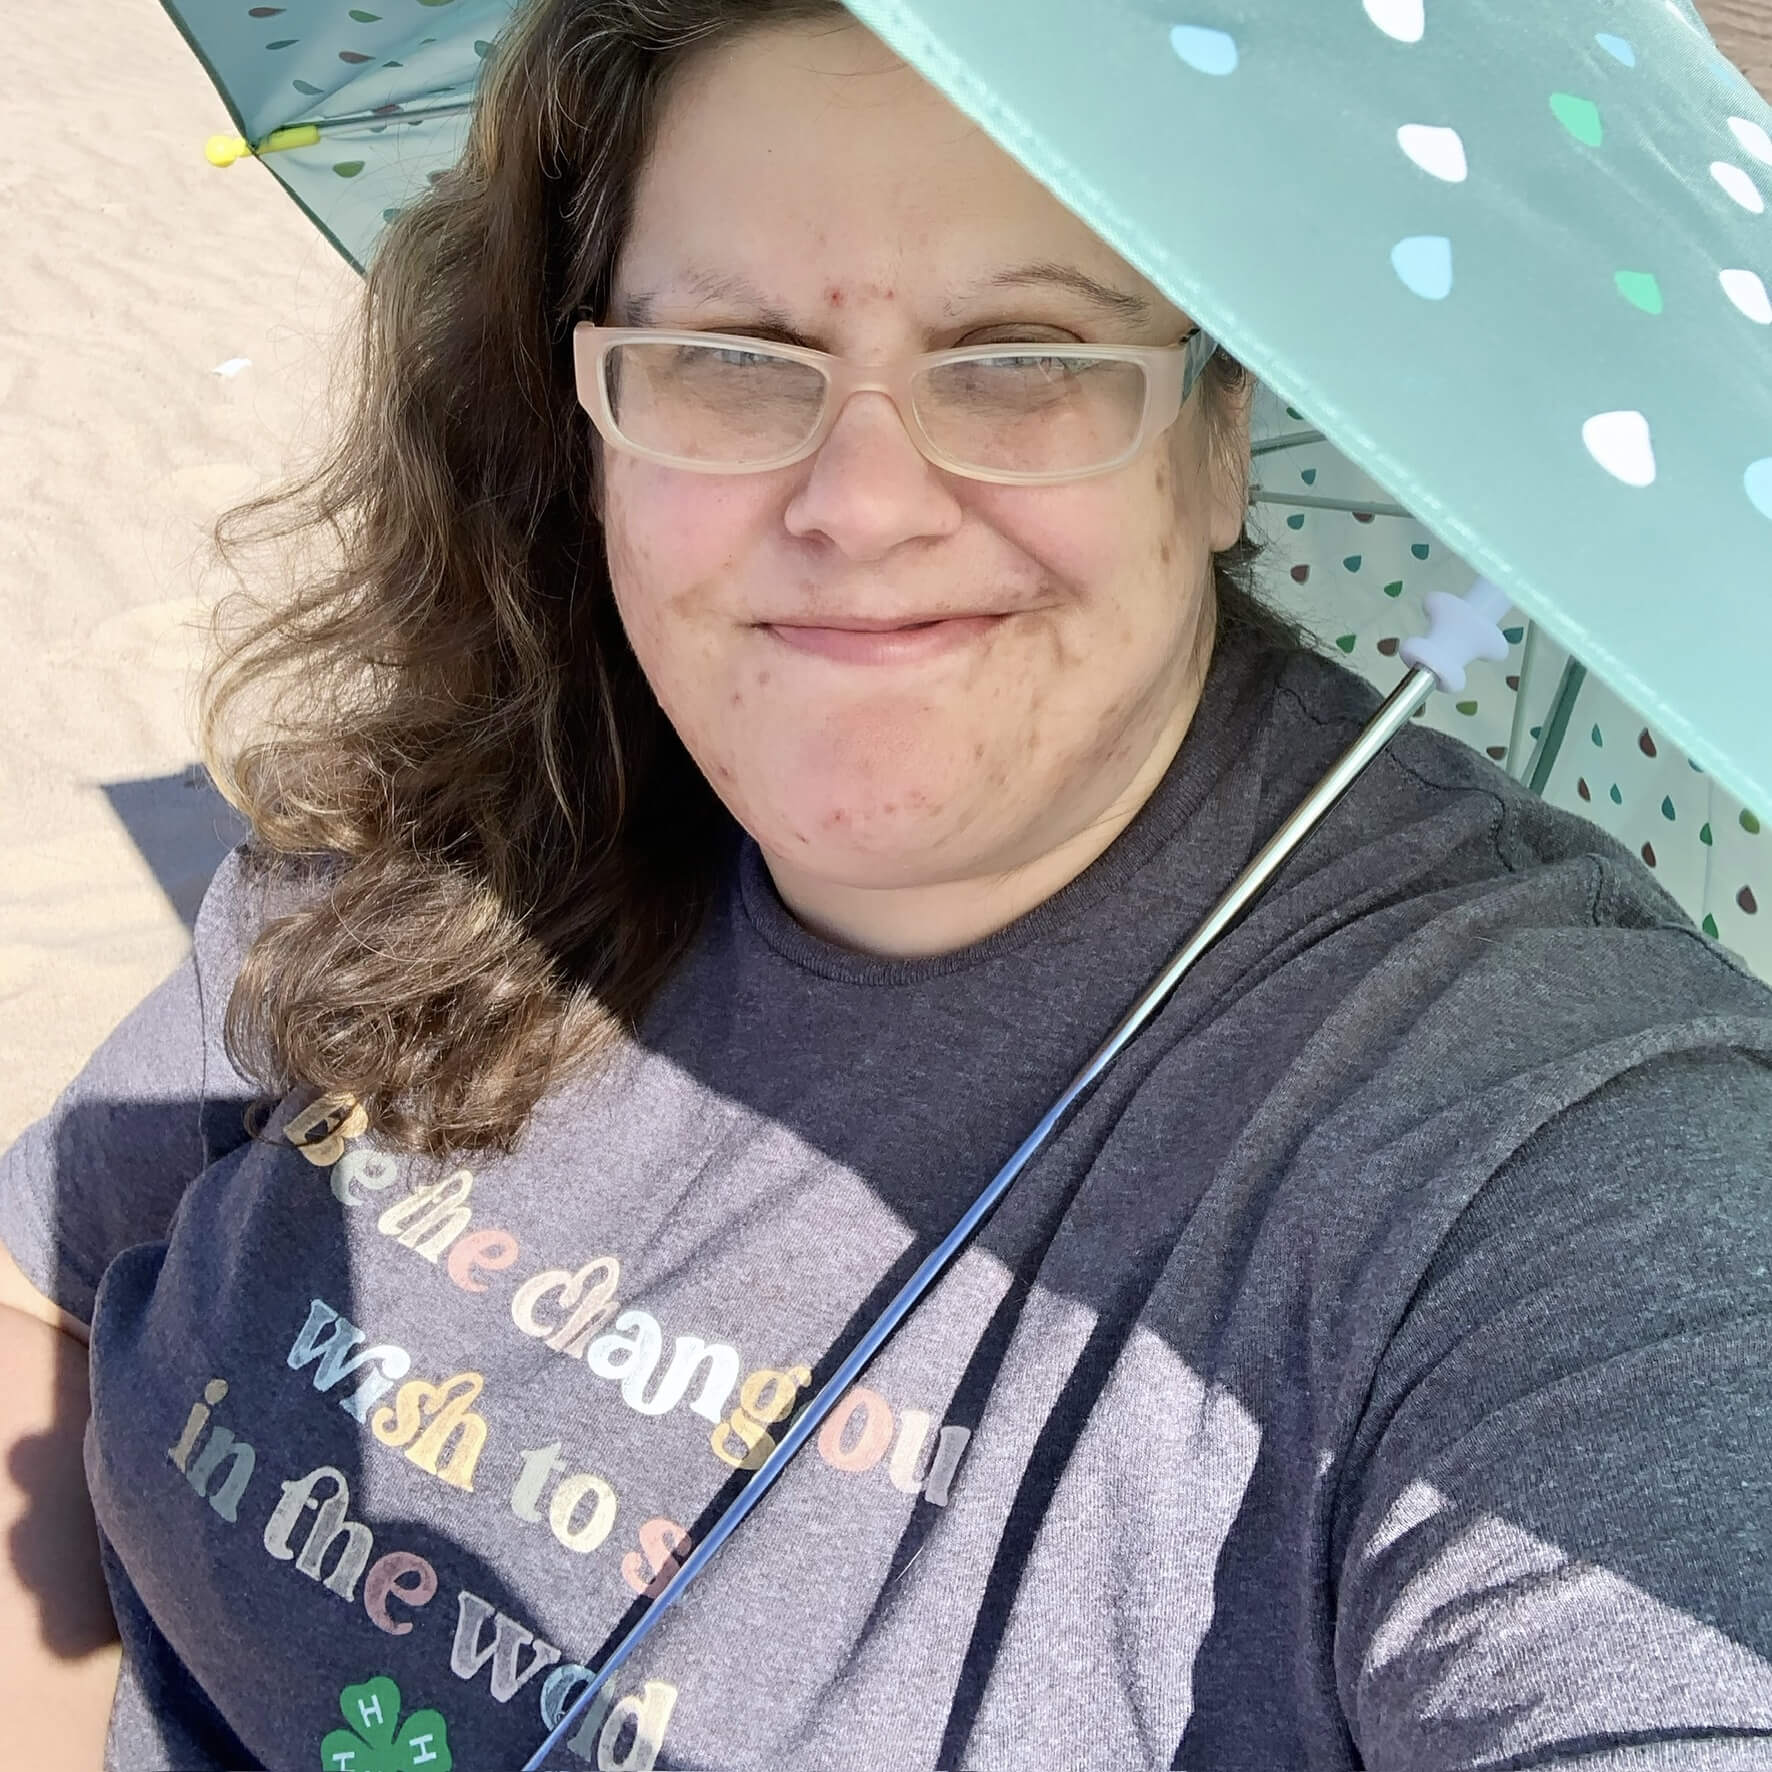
134 269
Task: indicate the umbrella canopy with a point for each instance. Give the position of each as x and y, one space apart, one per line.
1511 258
353 108
1501 267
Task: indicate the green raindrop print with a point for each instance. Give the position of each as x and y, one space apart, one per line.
1595 735
1346 642
1420 549
1513 636
1749 823
1352 562
1704 834
1580 116
1667 807
1296 520
1617 797
1394 588
1709 925
1466 707
1640 289
347 168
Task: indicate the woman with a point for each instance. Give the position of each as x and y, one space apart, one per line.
694 852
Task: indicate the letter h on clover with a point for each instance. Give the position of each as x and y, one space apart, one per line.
370 1744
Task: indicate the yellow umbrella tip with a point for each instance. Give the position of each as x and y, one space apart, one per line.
224 150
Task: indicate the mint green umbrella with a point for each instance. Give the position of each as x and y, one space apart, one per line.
1511 258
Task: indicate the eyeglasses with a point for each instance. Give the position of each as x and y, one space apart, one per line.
722 403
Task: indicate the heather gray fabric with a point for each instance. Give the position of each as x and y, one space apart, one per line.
1376 1371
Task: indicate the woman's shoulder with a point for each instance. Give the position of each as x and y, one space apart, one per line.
251 889
1438 799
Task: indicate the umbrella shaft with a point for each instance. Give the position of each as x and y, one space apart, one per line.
1394 714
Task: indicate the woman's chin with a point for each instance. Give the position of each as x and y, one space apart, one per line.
855 843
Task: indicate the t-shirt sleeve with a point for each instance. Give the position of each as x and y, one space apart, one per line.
1554 1544
158 1102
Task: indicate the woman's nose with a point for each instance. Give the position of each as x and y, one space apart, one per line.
869 486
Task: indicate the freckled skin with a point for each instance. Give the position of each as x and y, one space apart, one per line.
863 205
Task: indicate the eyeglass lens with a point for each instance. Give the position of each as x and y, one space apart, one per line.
1021 412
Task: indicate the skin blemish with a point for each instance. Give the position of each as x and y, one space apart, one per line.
1165 553
834 296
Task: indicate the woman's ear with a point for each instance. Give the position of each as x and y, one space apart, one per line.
1231 409
596 476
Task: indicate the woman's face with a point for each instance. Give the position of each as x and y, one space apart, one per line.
840 202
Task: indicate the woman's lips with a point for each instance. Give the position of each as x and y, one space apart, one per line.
900 645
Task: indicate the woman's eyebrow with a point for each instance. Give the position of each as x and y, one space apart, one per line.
638 309
1120 302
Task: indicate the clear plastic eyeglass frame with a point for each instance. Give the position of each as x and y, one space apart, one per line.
1171 373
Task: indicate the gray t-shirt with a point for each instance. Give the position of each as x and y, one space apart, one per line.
1375 1371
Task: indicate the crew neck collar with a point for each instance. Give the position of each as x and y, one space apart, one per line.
1237 693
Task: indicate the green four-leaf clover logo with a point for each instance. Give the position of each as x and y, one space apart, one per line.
370 1744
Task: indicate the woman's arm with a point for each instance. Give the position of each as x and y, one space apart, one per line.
1557 1522
58 1643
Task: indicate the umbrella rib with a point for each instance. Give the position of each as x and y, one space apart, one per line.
399 114
1362 507
1292 440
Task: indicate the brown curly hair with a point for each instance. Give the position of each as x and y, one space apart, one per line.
507 848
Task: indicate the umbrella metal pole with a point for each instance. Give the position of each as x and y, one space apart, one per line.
1408 696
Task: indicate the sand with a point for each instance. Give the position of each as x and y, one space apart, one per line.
133 270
